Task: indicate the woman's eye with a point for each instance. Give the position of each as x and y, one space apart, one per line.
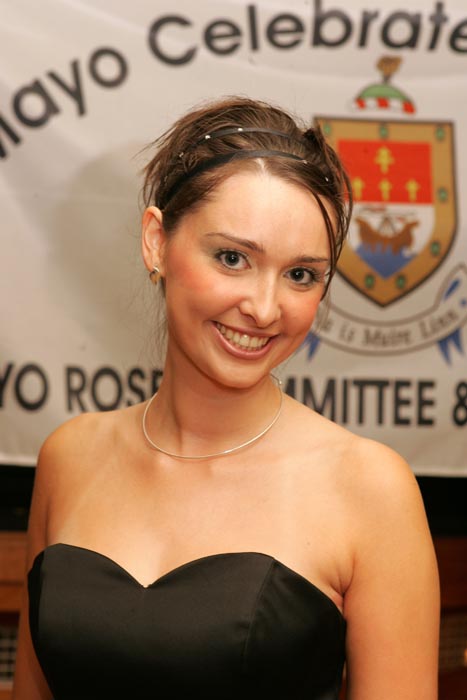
303 276
232 259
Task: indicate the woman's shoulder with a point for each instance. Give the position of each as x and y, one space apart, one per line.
72 461
360 464
377 486
70 438
87 430
78 444
374 492
381 481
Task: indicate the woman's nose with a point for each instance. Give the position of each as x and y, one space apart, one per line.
261 302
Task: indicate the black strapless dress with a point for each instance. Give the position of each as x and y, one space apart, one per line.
234 625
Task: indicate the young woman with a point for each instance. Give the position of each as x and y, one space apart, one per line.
222 540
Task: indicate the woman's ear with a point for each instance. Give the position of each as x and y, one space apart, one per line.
153 239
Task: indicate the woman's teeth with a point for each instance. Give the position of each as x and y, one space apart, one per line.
242 340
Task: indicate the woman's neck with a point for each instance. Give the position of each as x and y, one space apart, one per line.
192 414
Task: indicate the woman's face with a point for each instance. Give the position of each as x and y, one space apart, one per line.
244 275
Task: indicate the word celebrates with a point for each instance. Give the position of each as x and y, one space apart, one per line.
330 28
33 105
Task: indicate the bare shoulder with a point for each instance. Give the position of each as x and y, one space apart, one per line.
390 582
74 431
83 437
73 451
376 464
374 491
380 486
392 601
67 460
68 446
390 526
384 503
366 467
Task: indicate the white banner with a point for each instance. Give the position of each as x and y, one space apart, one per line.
85 86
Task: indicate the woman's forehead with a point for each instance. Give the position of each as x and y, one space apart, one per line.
257 187
265 195
264 208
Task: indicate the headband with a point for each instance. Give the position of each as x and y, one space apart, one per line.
242 154
241 130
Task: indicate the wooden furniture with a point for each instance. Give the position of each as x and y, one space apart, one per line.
451 553
452 560
12 570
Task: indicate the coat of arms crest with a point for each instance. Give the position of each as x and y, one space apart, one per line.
402 175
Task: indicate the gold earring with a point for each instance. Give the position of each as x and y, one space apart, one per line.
155 275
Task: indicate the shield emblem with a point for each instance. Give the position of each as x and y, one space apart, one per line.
404 219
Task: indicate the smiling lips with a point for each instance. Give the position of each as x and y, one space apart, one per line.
243 340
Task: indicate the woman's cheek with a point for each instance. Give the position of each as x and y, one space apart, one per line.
308 310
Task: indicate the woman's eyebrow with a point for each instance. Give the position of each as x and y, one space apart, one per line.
258 248
252 245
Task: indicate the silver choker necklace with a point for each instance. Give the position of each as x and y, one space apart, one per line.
214 454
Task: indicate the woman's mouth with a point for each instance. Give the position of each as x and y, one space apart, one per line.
243 341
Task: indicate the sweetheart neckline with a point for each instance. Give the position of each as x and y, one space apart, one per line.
187 564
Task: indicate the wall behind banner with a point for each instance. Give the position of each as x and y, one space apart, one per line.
86 86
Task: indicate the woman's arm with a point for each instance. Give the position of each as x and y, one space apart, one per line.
392 604
29 682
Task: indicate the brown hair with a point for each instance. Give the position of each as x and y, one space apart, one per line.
187 166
